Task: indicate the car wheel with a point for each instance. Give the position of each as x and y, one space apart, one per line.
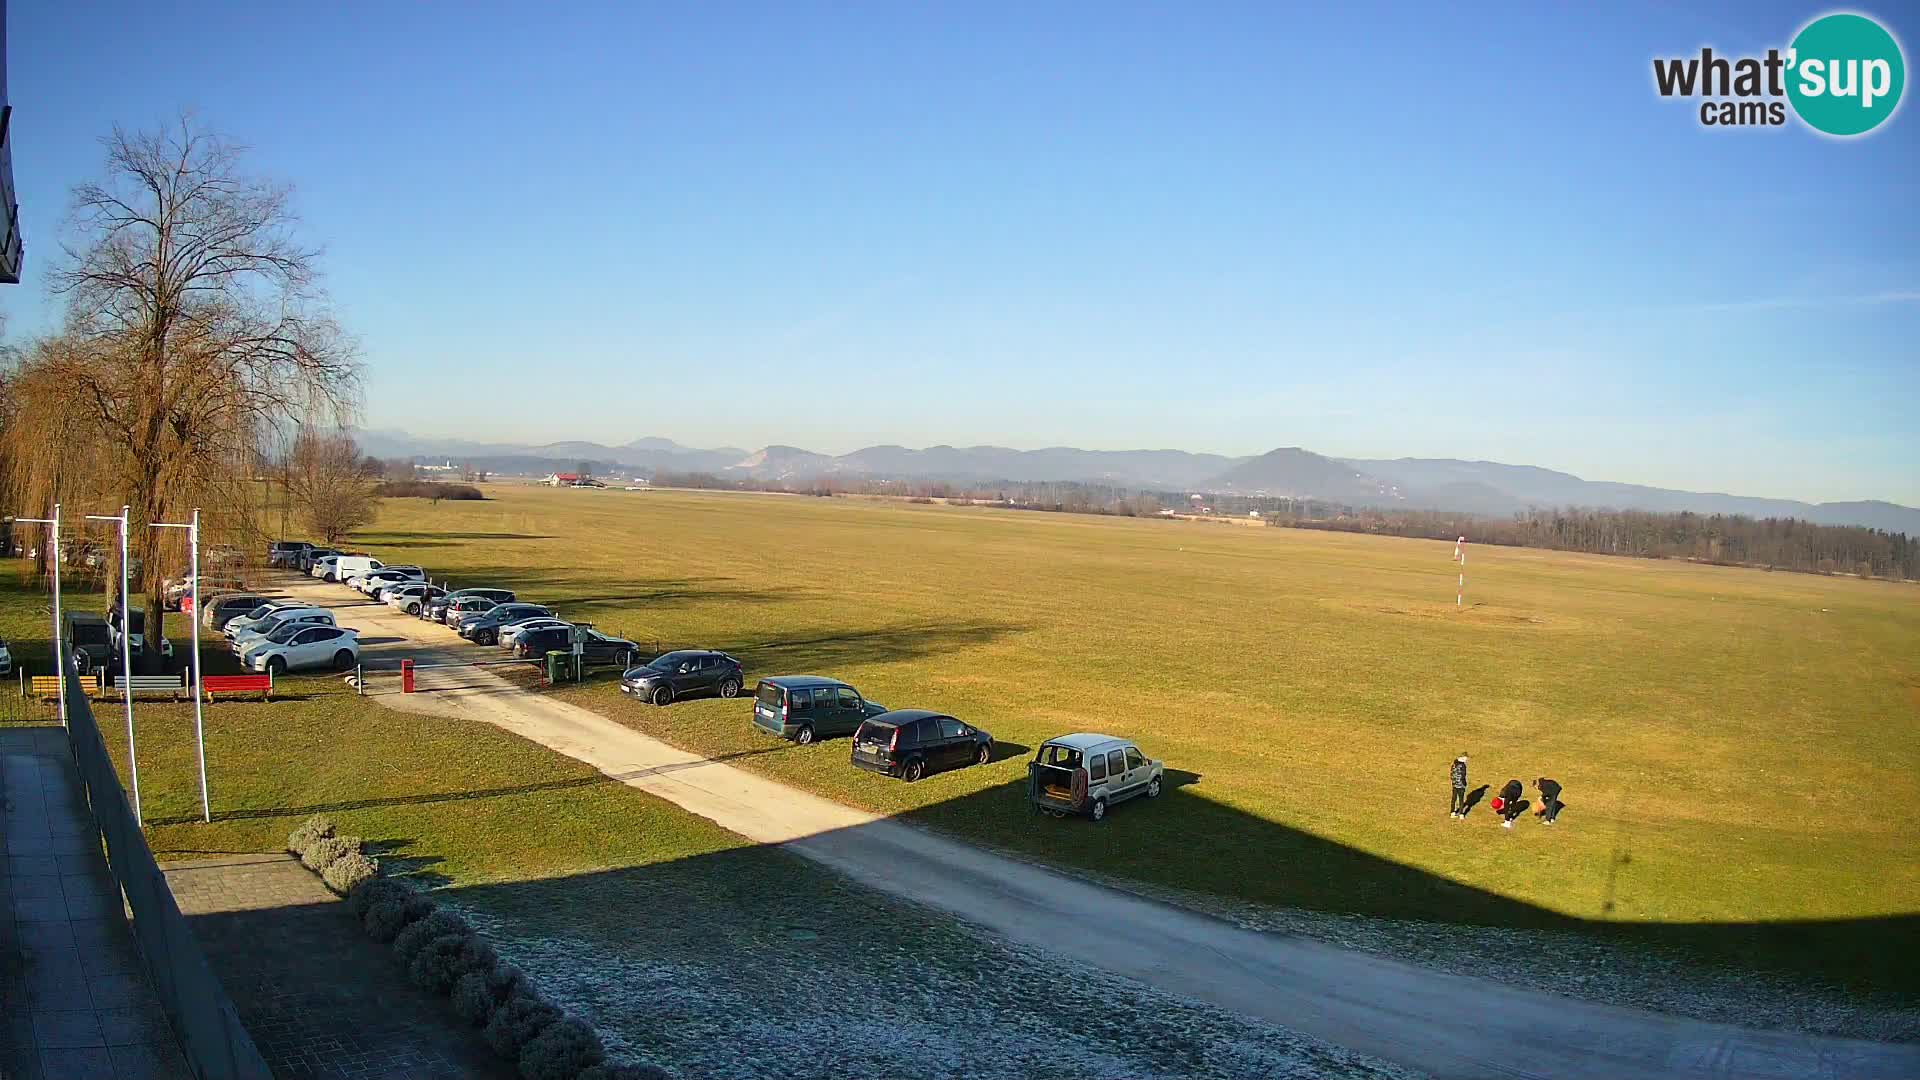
804 736
662 695
1099 810
330 577
730 688
486 638
1153 788
984 754
915 770
343 660
277 665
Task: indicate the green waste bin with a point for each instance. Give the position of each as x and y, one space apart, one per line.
556 665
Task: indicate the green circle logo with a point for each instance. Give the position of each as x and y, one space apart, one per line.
1845 74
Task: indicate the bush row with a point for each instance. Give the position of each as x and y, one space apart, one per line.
443 954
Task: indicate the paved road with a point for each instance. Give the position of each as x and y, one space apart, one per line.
1442 1024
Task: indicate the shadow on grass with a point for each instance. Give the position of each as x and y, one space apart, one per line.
1188 841
595 780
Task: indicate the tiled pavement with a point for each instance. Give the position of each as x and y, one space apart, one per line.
319 998
74 1004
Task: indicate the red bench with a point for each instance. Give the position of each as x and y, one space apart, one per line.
239 684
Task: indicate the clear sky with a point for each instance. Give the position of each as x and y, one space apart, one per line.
1373 231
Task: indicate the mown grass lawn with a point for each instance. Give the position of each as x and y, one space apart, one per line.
1738 747
467 803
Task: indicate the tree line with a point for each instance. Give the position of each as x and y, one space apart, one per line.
1729 539
197 365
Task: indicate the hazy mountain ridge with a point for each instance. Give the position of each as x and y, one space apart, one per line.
1481 487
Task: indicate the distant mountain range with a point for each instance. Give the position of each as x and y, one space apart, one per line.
1483 487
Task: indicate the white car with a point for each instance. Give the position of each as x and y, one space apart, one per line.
323 567
371 583
407 596
256 616
385 589
279 620
511 631
6 660
333 647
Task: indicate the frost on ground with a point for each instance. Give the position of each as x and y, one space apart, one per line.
1576 965
756 964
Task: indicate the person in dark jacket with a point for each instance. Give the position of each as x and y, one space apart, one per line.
1549 799
1459 778
1510 802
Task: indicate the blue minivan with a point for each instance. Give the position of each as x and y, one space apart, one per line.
808 707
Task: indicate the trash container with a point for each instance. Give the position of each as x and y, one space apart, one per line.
556 665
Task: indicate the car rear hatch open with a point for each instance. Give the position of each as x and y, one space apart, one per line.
770 708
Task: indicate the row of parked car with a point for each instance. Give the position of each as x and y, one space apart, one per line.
1083 773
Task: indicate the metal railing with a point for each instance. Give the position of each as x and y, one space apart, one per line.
214 1041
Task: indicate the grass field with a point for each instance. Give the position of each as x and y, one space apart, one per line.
669 932
1737 747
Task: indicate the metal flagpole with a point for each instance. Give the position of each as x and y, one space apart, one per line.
59 645
199 685
59 637
1460 556
126 656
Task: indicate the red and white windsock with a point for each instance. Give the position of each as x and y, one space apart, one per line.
1460 556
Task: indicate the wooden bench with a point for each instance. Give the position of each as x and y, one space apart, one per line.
48 686
171 685
238 684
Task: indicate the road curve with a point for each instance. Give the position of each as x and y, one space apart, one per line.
1446 1025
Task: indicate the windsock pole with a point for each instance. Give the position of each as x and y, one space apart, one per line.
1460 556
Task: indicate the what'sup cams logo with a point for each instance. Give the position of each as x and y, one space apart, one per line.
1842 76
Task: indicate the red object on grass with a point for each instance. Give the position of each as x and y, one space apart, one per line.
1499 804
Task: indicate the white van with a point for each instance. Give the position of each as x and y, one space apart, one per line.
347 567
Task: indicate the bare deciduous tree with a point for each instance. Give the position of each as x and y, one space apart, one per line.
197 321
328 487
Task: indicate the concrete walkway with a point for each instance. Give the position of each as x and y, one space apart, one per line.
74 1002
1442 1024
321 1001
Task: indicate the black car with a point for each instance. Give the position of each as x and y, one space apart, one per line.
685 673
597 649
910 743
485 630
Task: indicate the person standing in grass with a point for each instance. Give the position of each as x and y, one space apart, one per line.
1459 778
1549 799
1510 802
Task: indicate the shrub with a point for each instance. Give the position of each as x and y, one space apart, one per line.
415 937
387 918
322 852
373 890
343 873
314 828
436 965
515 1023
480 991
622 1070
561 1050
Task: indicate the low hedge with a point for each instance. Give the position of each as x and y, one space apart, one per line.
515 1023
442 953
561 1051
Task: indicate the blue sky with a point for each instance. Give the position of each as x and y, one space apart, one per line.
1372 231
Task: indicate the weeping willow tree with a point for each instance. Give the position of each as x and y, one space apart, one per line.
195 328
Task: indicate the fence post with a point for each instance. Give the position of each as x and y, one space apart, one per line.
359 681
406 676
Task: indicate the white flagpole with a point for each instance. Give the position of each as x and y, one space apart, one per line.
59 643
199 684
126 656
